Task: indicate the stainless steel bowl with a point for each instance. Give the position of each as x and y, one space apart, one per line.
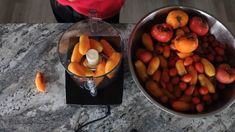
216 27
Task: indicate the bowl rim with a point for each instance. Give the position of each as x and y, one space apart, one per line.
147 95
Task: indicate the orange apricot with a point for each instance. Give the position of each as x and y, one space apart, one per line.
112 62
96 45
177 18
77 69
100 70
186 43
40 82
84 44
76 55
107 48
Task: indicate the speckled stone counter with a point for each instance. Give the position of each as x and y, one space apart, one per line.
26 48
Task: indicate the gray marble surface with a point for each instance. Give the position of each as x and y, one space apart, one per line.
26 48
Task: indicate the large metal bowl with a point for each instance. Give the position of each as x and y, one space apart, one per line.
227 96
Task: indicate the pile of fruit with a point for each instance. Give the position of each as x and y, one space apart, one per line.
109 58
181 64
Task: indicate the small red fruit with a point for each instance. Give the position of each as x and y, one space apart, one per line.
175 80
199 107
164 99
182 85
158 48
195 100
144 55
199 67
189 91
206 98
188 61
203 90
187 78
173 72
196 58
219 51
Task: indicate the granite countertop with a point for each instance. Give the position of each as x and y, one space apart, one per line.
26 48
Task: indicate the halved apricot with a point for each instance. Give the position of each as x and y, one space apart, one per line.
186 43
177 18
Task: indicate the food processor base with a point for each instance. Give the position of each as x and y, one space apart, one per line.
110 95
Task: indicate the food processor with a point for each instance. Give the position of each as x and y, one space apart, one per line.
91 89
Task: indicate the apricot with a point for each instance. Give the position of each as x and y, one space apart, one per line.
196 100
76 56
166 51
199 67
112 62
224 74
157 76
84 44
206 82
185 98
141 70
77 69
107 48
193 72
172 46
144 55
163 62
208 67
180 67
153 65
177 18
186 78
189 91
40 82
199 25
162 32
154 88
165 75
186 43
96 45
100 70
147 41
188 61
180 106
199 107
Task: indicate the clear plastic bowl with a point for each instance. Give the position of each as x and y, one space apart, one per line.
96 29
